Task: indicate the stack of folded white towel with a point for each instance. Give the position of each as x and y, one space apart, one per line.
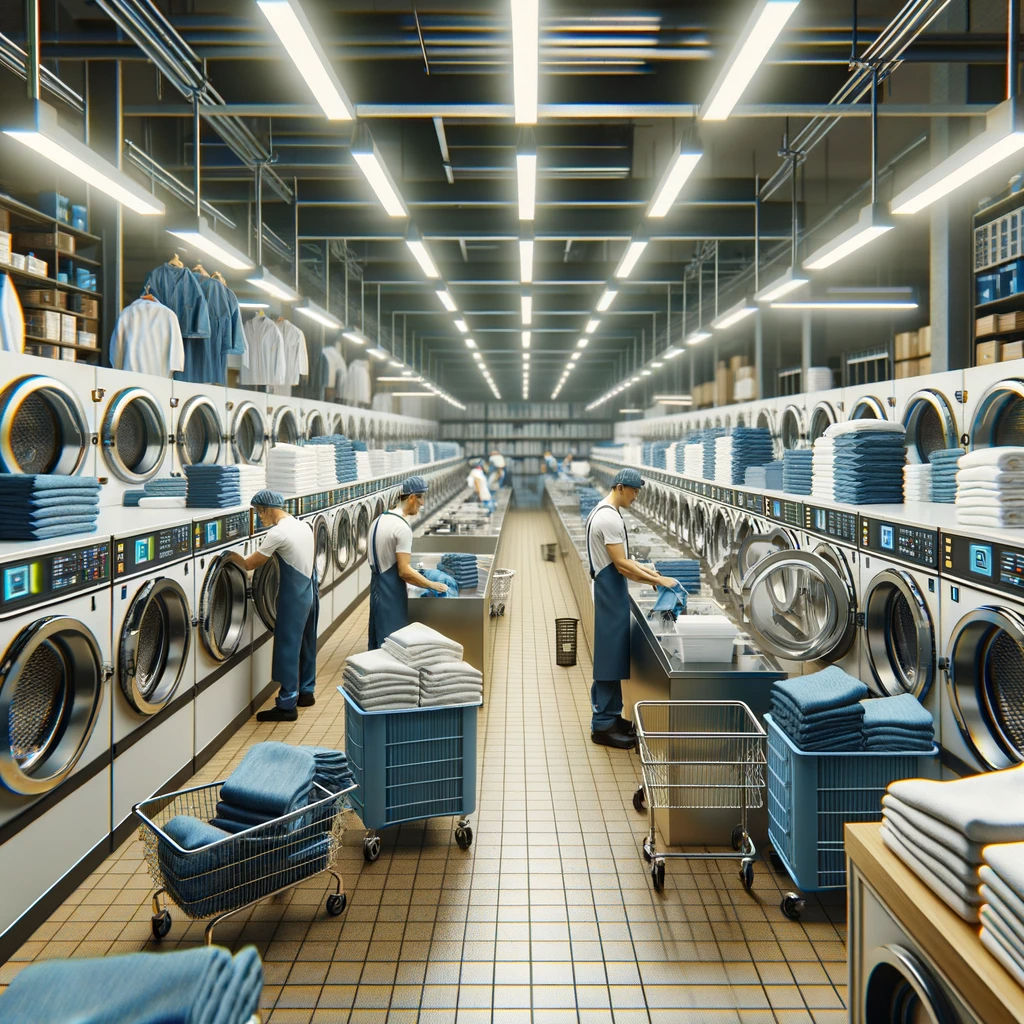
723 460
938 830
444 677
378 681
1002 912
823 474
693 461
250 480
404 458
363 468
917 481
292 469
990 487
326 466
380 461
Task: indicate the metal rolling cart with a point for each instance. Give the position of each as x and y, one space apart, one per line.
700 754
501 590
221 878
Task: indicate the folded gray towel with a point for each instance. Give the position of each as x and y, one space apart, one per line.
1007 915
992 919
1000 889
994 944
952 840
1007 860
932 853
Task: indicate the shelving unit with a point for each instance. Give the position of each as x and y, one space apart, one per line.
997 231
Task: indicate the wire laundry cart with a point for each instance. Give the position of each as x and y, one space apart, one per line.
501 590
700 755
219 879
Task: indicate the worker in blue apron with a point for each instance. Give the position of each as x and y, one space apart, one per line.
610 568
298 604
390 556
550 464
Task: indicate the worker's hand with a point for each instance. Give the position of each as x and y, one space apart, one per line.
668 581
439 588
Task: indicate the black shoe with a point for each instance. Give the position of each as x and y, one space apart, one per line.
278 715
613 738
306 700
624 725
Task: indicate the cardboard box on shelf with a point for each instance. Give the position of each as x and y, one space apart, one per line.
84 306
986 352
746 373
45 325
86 338
986 325
69 355
924 365
723 387
737 363
17 260
44 297
745 389
5 247
46 351
68 328
906 368
59 240
1012 350
92 326
924 341
906 344
34 265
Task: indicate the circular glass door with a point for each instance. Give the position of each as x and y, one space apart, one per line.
223 608
362 531
868 408
930 424
134 436
792 427
344 549
266 581
315 426
822 417
199 432
284 427
901 990
321 548
900 637
248 434
699 530
43 428
999 417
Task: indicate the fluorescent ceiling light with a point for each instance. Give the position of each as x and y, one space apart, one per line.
633 380
477 357
377 353
526 302
592 325
446 300
733 315
300 40
626 412
42 134
414 394
872 222
849 304
526 338
400 380
1003 136
355 336
633 252
367 156
657 364
671 352
266 281
763 27
607 298
202 237
462 326
677 399
419 250
526 174
679 169
526 260
785 285
243 304
645 373
470 343
575 356
318 314
407 373
396 364
583 343
525 58
697 336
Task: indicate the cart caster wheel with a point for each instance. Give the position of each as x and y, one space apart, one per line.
336 903
658 874
464 835
161 924
747 875
647 849
792 906
737 837
371 848
639 799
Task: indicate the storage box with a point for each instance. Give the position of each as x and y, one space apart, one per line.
18 260
5 247
924 341
737 363
986 325
69 355
1012 350
92 326
68 328
5 221
923 365
53 204
46 351
87 338
708 638
45 325
986 352
905 344
905 368
86 307
986 288
45 297
61 241
34 265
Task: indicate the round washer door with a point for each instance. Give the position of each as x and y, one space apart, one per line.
315 424
362 531
868 408
699 529
321 548
899 989
822 417
930 424
985 676
760 544
266 582
199 432
153 648
51 689
686 520
284 427
343 543
378 507
899 634
223 608
720 539
134 436
672 517
798 606
43 428
791 427
999 416
248 434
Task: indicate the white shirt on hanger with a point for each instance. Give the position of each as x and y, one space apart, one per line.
147 339
296 357
336 370
263 361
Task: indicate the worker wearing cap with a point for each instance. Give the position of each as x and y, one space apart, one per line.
550 464
497 466
298 604
477 481
610 568
390 554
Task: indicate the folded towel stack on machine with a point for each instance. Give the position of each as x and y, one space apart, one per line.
41 506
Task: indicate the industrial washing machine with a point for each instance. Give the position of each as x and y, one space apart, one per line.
793 422
700 524
765 416
720 540
198 424
337 596
55 746
316 423
827 408
285 421
224 629
868 401
154 672
931 409
994 406
246 418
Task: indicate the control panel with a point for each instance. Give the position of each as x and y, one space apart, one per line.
33 581
138 554
723 494
900 542
219 530
784 511
830 522
986 564
749 501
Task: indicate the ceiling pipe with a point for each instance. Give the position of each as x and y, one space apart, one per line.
14 58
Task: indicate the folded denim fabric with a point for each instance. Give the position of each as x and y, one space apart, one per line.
899 744
191 833
46 499
821 691
272 777
953 871
904 711
77 525
61 512
846 717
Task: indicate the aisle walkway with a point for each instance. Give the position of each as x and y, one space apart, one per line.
551 910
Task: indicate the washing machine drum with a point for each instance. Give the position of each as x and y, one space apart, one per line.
248 434
699 530
321 548
685 521
344 542
791 427
901 990
154 645
672 519
43 428
868 408
899 635
985 659
134 436
284 427
930 424
51 690
362 531
223 608
720 538
266 581
198 437
999 416
822 417
315 426
759 545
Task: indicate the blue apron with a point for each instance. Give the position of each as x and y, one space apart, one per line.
611 616
298 608
389 600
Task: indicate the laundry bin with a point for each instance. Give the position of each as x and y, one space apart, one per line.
565 642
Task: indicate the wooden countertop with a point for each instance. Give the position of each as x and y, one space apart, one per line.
950 941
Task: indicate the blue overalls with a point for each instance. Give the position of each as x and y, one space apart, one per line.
298 609
389 600
611 637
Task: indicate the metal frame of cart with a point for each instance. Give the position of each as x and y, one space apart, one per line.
700 755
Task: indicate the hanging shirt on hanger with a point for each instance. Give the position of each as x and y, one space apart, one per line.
226 337
177 288
147 339
12 319
335 373
357 383
263 360
295 355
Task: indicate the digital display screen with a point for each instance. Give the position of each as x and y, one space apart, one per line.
820 519
17 582
981 559
887 537
143 548
213 532
776 508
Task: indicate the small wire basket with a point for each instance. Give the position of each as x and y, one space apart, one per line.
501 590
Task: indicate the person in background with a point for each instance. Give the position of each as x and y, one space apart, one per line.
565 470
477 482
390 555
298 604
610 568
550 464
497 467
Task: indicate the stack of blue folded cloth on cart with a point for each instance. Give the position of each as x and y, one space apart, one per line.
201 986
821 711
897 723
796 470
868 460
944 462
330 768
40 506
589 497
686 570
161 487
438 576
708 439
751 446
212 486
462 568
344 455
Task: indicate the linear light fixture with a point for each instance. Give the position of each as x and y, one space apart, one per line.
674 399
657 364
592 325
527 337
318 314
634 250
872 223
680 167
414 240
645 373
377 353
201 236
297 36
446 299
355 336
525 58
266 281
526 260
785 285
697 336
583 343
245 304
417 394
477 358
41 133
470 343
671 352
367 157
400 380
462 326
733 315
526 304
847 304
607 298
396 364
627 412
766 22
526 173
575 357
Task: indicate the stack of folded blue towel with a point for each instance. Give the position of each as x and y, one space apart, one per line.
589 497
897 723
205 985
708 439
462 568
161 487
796 470
444 450
344 455
686 570
37 507
213 486
944 466
360 446
868 461
821 711
439 576
751 446
423 453
330 768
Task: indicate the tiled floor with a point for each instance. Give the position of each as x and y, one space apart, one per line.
550 917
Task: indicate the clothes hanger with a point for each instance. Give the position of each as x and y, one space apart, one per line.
148 295
175 262
218 276
199 268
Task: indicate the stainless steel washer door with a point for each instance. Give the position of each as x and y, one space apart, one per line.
343 545
378 508
985 676
51 689
672 517
223 608
686 521
284 427
720 540
791 427
868 408
822 417
900 635
199 431
154 645
321 548
248 434
901 990
999 416
362 528
134 436
930 424
43 428
699 530
315 425
266 581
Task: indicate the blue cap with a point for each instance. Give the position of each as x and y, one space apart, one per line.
414 485
268 499
628 478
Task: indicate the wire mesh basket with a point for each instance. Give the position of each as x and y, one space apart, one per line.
501 590
565 642
549 552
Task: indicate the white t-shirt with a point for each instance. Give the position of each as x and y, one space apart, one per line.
477 480
393 534
498 460
147 339
604 527
292 539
